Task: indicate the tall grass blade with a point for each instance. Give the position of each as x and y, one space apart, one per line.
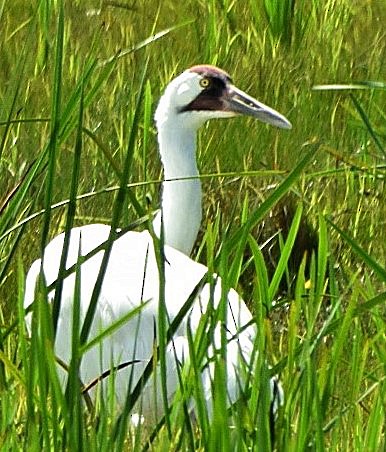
70 215
368 125
55 125
117 210
240 236
284 255
121 425
378 269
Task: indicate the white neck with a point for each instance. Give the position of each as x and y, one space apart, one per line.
181 199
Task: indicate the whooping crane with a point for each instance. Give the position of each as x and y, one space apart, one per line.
132 277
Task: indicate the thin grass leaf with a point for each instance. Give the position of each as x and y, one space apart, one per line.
75 426
241 235
285 255
196 380
55 124
117 210
97 339
121 425
70 216
349 86
368 125
322 259
360 252
148 100
145 42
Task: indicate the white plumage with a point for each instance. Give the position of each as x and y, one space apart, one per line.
132 276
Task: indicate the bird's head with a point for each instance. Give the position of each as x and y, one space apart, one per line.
204 92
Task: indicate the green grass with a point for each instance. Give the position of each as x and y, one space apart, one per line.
293 220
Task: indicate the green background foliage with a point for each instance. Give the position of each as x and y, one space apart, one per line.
79 82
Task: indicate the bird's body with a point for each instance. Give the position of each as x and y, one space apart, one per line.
132 276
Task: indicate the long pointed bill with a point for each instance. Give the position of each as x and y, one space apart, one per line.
239 102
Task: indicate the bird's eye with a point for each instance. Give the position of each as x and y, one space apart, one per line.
205 82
